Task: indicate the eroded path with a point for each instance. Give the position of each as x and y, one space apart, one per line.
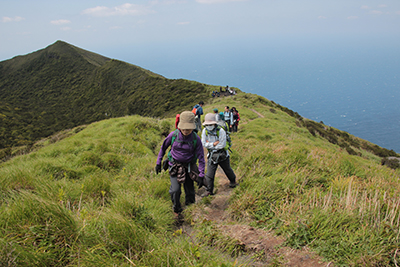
257 243
260 247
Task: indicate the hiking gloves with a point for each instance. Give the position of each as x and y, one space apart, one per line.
200 181
158 168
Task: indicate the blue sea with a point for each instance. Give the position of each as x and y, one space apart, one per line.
350 84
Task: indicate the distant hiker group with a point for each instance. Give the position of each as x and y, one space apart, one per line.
223 92
187 148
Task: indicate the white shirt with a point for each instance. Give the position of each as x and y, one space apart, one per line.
208 140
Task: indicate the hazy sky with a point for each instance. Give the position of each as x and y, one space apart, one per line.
111 28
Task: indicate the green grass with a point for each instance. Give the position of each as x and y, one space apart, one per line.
63 86
91 197
315 193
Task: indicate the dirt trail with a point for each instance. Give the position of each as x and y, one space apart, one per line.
255 242
258 113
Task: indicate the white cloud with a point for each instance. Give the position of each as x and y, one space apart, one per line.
66 28
382 6
184 23
352 17
60 22
171 2
8 19
365 7
217 1
376 12
122 10
322 17
398 12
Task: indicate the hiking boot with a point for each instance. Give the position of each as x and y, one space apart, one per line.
233 185
206 194
178 218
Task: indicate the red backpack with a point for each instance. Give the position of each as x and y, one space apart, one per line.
177 120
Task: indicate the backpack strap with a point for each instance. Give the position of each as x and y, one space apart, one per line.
218 128
175 137
228 138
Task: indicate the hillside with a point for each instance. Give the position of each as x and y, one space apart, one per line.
93 199
63 86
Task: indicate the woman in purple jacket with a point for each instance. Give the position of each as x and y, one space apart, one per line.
186 149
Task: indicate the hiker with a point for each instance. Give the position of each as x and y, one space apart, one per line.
221 122
214 138
217 118
228 117
186 149
198 111
236 119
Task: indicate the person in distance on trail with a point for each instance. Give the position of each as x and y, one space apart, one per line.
228 117
214 139
186 149
236 119
217 118
198 111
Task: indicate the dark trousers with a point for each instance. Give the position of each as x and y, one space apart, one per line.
234 128
175 191
212 168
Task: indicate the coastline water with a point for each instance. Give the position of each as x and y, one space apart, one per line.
350 87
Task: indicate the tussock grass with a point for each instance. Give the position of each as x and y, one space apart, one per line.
315 193
93 199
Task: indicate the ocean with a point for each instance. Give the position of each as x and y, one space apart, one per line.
351 85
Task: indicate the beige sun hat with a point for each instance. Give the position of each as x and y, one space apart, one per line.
186 121
209 119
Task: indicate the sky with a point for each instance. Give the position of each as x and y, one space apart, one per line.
121 29
321 58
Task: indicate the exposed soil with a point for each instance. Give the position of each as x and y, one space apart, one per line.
255 242
258 113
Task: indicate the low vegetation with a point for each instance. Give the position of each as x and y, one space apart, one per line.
92 200
345 206
89 196
62 86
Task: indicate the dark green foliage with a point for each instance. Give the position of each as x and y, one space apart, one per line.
289 111
343 139
391 162
63 86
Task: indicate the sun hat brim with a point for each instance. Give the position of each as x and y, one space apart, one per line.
186 126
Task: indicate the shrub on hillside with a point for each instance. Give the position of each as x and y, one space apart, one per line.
391 162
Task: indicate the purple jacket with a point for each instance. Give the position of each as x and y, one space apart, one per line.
183 151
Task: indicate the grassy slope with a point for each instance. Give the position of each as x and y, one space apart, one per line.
343 206
93 198
63 86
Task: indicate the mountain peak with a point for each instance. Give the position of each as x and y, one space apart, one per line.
61 47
